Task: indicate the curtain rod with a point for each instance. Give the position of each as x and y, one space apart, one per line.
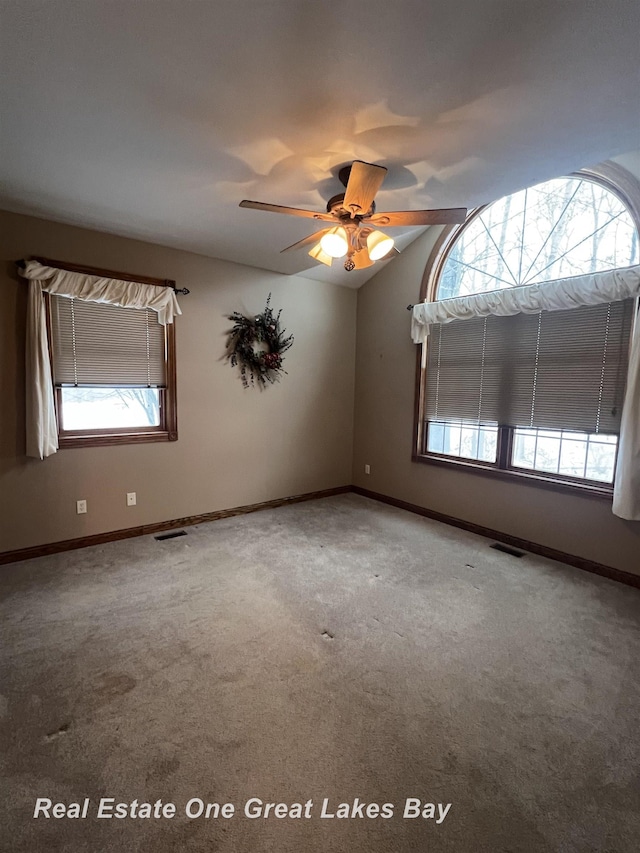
61 265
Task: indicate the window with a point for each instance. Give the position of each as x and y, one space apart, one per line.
535 395
113 372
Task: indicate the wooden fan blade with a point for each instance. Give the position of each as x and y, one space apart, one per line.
292 211
394 218
363 184
312 238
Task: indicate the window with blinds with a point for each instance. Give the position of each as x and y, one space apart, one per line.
99 344
552 370
554 381
111 370
535 393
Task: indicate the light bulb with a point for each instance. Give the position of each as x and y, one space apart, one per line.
335 242
379 245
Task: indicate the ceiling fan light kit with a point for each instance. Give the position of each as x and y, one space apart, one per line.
353 219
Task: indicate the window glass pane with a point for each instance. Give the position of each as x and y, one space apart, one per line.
524 448
573 455
547 453
568 453
605 439
463 440
469 442
488 445
601 459
452 439
110 408
435 438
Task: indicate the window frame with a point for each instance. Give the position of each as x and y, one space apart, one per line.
167 430
624 186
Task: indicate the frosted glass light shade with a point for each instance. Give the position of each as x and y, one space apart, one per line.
378 245
318 254
335 242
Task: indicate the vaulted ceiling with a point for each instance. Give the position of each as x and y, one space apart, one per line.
154 119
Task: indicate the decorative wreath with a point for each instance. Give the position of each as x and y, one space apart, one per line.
257 345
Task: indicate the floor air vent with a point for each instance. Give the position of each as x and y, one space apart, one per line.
173 535
506 549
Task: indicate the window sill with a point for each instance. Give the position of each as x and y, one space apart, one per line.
545 481
104 439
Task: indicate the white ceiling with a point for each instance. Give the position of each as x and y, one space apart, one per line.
154 119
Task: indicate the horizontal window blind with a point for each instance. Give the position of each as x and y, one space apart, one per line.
553 370
99 344
455 381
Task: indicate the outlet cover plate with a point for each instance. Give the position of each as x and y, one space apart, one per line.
131 498
81 507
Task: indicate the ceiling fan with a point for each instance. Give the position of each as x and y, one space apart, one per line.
352 229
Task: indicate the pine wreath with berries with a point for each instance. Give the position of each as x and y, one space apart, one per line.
257 346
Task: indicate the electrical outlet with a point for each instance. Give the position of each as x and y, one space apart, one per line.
81 507
367 469
131 498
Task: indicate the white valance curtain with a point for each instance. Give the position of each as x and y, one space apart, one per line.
41 427
91 288
561 295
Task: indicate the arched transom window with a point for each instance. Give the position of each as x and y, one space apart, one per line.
565 227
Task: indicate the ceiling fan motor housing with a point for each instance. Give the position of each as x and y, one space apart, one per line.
336 206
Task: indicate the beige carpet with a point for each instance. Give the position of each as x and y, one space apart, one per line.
337 648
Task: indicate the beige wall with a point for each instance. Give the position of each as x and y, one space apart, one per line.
384 405
235 446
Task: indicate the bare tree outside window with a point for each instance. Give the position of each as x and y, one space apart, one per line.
110 408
